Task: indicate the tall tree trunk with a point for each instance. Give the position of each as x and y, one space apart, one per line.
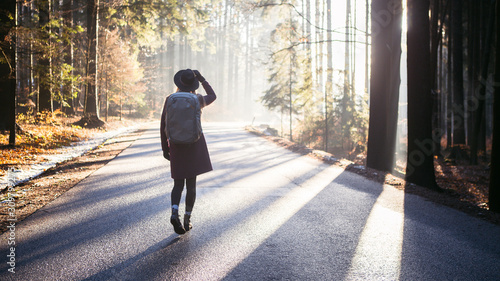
236 76
346 117
475 66
172 68
384 86
68 52
449 101
437 19
45 101
317 38
91 111
367 61
353 48
494 189
469 91
31 55
223 44
292 58
308 25
420 166
483 80
329 71
230 71
436 31
247 99
7 71
458 81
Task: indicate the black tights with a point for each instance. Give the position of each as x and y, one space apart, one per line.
190 194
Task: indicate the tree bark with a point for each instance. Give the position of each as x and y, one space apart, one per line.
92 34
483 79
329 71
45 102
367 46
471 58
437 21
308 25
494 188
7 72
67 8
384 86
171 66
420 166
458 81
91 111
248 65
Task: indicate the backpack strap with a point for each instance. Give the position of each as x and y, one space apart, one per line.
201 99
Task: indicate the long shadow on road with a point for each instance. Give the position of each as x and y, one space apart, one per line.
320 240
441 243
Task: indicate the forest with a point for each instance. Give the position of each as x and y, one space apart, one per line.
403 87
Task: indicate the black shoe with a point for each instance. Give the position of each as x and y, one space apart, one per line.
176 222
187 222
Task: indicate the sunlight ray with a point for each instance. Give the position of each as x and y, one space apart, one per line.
378 254
234 246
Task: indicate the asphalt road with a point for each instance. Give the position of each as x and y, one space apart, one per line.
264 213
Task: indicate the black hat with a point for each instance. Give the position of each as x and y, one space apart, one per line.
186 81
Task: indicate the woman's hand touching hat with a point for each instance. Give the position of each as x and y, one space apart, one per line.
198 76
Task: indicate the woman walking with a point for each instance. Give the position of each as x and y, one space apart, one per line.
186 160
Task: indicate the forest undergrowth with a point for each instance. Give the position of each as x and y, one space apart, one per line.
43 134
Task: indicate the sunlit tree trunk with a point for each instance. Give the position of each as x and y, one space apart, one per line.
317 38
236 70
230 68
67 8
91 111
367 46
353 47
91 103
182 53
308 25
250 77
329 71
384 86
171 67
222 55
31 55
346 104
247 99
420 165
